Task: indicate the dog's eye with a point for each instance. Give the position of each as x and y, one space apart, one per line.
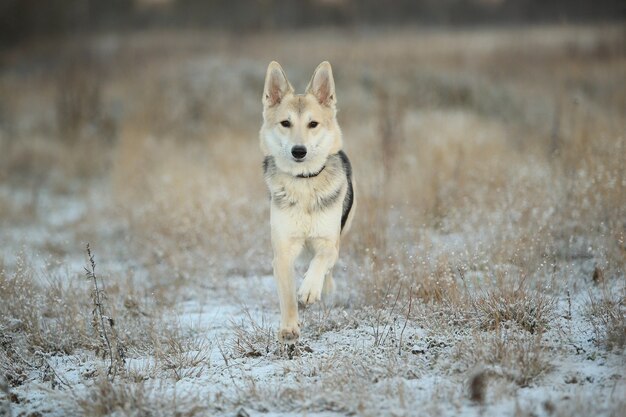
285 123
313 125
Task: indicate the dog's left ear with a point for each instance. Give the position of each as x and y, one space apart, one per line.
322 85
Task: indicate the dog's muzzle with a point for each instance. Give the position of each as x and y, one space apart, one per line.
298 152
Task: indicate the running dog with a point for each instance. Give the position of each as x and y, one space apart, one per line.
310 182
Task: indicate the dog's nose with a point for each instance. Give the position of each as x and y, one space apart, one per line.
298 152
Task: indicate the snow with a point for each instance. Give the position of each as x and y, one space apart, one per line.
341 366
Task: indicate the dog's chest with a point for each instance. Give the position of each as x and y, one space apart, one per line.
306 195
305 207
306 210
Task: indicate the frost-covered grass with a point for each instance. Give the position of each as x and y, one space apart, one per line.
484 274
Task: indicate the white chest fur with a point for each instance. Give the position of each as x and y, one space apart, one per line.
307 207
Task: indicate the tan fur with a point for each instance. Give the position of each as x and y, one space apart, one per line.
305 212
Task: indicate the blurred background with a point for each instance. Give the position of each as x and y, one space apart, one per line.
488 142
21 19
481 131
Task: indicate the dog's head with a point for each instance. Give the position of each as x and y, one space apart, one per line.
300 130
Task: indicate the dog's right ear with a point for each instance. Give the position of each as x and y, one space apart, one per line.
276 85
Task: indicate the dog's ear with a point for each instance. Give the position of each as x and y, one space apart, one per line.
322 85
276 85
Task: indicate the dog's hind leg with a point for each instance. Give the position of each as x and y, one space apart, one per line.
326 254
285 254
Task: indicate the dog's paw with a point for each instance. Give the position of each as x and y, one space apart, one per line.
289 335
308 295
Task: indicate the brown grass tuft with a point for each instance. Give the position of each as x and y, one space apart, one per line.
607 315
252 338
531 310
105 397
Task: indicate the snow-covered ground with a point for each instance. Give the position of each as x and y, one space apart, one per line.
351 360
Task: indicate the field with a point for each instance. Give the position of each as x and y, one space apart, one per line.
484 273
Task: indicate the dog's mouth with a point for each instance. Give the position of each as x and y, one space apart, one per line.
298 160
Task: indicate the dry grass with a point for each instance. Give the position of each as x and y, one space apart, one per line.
490 183
105 398
183 357
508 353
252 338
530 310
37 316
54 316
607 314
151 174
339 383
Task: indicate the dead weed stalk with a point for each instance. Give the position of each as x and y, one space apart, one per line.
103 323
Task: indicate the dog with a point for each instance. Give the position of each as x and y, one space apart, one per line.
311 188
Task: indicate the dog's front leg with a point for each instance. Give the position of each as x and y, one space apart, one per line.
285 253
326 253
